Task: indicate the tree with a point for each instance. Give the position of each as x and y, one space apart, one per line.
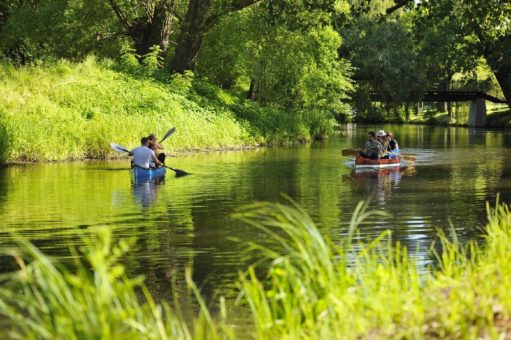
285 55
485 30
147 22
200 17
384 57
56 28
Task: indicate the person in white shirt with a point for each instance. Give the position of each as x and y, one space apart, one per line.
142 155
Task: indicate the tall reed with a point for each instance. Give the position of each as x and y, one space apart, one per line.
46 300
315 288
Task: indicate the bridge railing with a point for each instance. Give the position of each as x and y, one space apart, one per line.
469 85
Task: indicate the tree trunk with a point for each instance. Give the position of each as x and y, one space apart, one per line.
147 32
503 76
252 90
442 106
190 38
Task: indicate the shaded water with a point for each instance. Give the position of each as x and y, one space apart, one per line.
186 221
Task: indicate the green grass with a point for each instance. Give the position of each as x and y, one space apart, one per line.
45 300
306 287
500 117
319 289
64 110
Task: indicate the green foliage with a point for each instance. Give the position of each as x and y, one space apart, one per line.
471 32
291 67
58 28
182 82
63 110
69 111
128 61
385 60
152 61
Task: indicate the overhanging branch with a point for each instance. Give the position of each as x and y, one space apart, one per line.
398 4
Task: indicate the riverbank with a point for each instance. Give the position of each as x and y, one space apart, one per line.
68 111
312 288
499 117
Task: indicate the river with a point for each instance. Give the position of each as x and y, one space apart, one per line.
186 222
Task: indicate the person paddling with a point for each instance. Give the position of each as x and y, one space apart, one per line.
143 156
155 146
392 145
373 148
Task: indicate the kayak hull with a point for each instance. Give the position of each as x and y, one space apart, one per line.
140 174
361 163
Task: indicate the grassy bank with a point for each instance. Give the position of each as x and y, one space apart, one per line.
64 110
313 288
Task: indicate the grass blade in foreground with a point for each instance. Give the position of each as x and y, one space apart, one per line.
310 291
45 300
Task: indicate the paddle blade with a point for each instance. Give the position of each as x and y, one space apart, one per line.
168 134
409 158
349 152
118 148
180 173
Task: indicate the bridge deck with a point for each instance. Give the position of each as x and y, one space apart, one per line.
451 96
459 96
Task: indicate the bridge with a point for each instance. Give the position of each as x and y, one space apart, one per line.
477 93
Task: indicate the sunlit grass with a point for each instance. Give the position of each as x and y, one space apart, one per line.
302 285
64 110
318 289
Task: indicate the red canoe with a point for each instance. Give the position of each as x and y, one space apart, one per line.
361 162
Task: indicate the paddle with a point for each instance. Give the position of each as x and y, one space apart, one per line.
349 152
168 134
179 173
353 152
121 149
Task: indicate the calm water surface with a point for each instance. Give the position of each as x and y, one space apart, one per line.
186 221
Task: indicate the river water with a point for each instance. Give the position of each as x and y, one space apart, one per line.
186 222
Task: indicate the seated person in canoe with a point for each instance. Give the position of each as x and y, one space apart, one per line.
156 147
143 156
392 145
373 148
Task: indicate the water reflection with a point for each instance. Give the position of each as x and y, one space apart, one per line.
379 184
146 192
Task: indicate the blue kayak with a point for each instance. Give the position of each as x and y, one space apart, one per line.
141 174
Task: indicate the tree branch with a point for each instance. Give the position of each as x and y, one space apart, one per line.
240 4
237 5
118 12
398 4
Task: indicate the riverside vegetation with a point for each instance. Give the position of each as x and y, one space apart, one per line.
64 110
313 288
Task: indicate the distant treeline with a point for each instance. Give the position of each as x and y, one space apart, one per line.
324 57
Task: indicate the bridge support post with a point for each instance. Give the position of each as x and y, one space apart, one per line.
477 113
